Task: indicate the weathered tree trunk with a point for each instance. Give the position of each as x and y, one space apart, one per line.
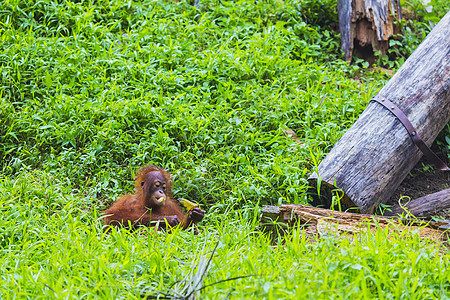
423 207
370 23
318 221
374 156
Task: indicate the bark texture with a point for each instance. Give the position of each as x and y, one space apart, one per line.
318 222
424 207
368 22
374 156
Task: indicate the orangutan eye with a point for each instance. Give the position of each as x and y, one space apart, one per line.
164 187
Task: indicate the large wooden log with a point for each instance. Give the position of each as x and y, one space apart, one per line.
318 221
374 156
423 207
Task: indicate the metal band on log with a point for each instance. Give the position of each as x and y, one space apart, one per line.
373 157
429 154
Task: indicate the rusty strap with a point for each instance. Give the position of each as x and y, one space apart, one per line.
429 154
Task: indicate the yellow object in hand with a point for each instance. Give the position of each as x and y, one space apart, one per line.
188 204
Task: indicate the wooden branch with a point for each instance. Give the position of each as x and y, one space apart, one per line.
373 157
427 206
318 221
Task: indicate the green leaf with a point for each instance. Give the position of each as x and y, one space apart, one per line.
48 79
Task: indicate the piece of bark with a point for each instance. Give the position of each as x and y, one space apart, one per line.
291 134
318 221
373 157
423 207
345 19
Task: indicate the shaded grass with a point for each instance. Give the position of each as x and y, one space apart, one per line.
173 86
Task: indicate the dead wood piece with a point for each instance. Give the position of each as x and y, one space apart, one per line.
319 222
369 23
291 134
428 206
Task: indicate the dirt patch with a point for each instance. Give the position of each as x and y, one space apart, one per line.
423 180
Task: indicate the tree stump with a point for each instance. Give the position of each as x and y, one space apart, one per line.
374 156
367 23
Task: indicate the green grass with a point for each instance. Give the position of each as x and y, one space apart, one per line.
92 90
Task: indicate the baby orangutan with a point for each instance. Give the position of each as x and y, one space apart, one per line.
151 204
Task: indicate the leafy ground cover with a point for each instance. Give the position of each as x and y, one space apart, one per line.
92 90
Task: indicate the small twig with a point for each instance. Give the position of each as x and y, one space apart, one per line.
204 271
159 297
225 280
50 288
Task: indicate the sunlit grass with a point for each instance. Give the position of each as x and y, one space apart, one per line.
51 248
92 90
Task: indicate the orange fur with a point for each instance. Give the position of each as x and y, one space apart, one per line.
131 210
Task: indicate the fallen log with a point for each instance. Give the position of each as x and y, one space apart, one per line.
373 157
317 222
424 207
